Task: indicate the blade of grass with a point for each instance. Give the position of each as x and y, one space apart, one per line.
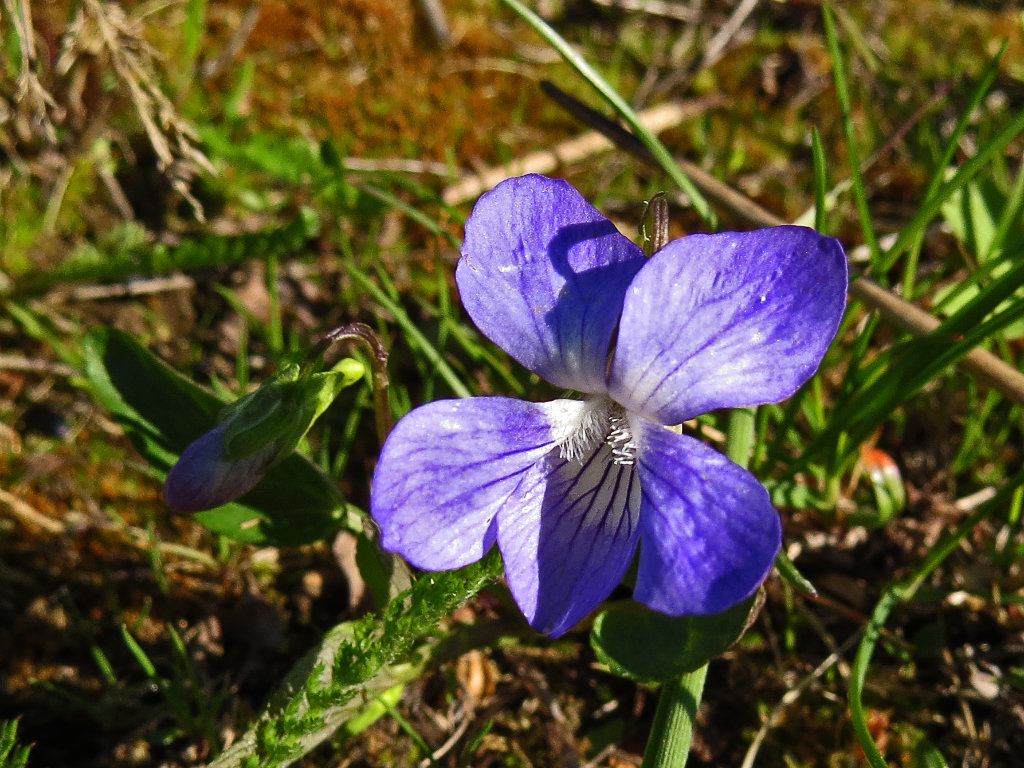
820 180
938 176
903 592
1008 219
658 150
140 656
411 211
930 208
191 39
852 150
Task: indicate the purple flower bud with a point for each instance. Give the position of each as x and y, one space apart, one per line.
204 479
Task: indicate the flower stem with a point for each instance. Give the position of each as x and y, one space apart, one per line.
378 363
674 720
672 732
739 435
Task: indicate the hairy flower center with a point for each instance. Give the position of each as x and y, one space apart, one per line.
603 422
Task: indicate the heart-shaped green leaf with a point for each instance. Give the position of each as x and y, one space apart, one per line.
645 645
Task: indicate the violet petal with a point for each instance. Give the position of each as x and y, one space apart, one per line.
203 479
709 533
729 320
569 541
450 465
543 274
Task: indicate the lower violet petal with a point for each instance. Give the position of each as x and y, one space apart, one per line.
569 545
449 466
709 533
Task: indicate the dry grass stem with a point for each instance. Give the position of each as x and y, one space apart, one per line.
32 365
103 30
29 514
234 46
575 150
31 94
667 10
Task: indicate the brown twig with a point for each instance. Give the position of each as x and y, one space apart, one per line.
666 10
29 514
435 21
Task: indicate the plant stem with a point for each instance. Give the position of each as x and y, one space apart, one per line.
378 363
739 435
668 746
674 721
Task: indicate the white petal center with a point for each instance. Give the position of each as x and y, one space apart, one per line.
581 427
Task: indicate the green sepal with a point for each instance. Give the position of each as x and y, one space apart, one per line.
162 412
641 644
283 409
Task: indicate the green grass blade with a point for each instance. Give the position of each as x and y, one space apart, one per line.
852 150
820 180
931 206
949 150
981 90
1010 218
622 108
140 656
413 334
411 211
192 35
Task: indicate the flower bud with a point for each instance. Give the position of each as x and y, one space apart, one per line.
255 433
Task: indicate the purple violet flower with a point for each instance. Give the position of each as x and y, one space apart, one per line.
569 489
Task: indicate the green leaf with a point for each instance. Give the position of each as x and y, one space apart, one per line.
163 412
12 754
991 227
645 645
283 409
972 212
359 662
927 755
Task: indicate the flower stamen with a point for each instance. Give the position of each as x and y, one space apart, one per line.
602 422
620 438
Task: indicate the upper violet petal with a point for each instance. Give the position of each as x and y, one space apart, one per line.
569 545
450 465
543 275
709 533
727 320
203 479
